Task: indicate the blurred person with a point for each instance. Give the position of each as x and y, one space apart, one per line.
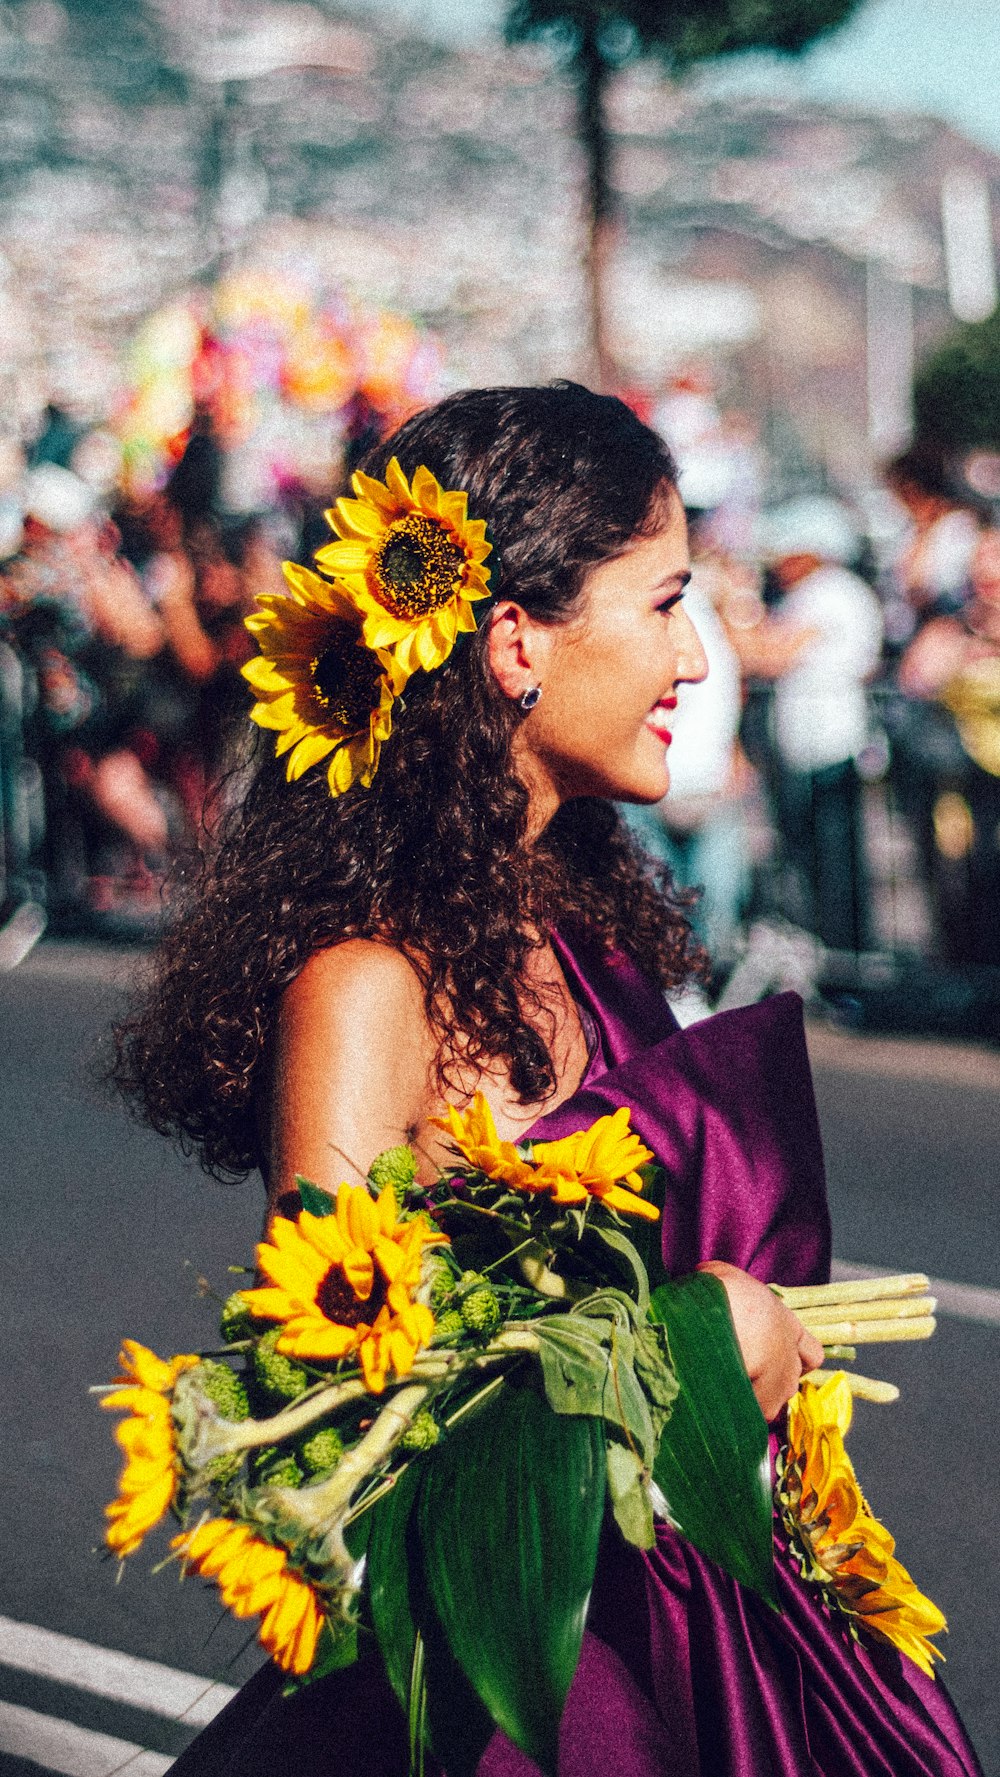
820 646
699 827
928 580
930 575
77 615
953 665
194 483
233 565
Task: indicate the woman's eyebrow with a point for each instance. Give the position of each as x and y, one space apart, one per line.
681 579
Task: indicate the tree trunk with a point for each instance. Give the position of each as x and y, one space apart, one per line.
591 71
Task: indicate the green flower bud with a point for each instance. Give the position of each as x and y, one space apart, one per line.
394 1166
224 1388
423 1434
235 1321
276 1467
442 1281
480 1311
449 1327
322 1451
223 1469
279 1376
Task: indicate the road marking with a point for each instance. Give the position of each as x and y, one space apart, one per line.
124 1678
57 959
945 1063
75 1752
963 1301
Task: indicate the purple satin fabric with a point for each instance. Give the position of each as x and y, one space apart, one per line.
683 1673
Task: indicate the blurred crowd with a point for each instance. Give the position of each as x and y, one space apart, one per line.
854 672
854 660
121 639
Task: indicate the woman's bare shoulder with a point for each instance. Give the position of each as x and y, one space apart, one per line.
357 974
354 1060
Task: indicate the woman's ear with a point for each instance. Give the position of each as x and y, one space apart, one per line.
518 649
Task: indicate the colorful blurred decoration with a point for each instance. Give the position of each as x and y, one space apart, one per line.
283 374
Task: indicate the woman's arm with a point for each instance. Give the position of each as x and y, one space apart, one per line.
353 1066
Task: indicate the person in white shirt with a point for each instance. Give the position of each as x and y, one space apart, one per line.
820 647
699 828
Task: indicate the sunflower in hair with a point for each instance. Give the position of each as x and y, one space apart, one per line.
413 560
318 684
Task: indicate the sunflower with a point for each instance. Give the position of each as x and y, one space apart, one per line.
474 1134
256 1579
345 1283
413 560
838 1541
149 1478
318 683
597 1162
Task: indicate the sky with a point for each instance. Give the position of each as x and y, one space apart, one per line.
938 56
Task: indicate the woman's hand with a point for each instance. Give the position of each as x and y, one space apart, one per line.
774 1344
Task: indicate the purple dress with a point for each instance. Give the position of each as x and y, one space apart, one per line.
683 1673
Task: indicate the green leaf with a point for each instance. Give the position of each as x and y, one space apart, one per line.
629 1490
389 1581
510 1515
712 1462
587 1369
419 1663
655 1371
631 1263
317 1202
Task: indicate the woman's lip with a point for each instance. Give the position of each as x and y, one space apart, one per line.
657 725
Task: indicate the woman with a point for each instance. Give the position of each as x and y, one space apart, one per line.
351 961
953 668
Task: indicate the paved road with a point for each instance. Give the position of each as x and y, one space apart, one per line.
107 1232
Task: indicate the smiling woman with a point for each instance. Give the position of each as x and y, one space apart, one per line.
456 914
484 825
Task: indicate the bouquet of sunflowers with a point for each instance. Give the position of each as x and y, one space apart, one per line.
436 1386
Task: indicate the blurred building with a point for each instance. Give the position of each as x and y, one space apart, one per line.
807 251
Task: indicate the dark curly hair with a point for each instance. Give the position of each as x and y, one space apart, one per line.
433 857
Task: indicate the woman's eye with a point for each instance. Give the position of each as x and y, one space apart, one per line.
670 604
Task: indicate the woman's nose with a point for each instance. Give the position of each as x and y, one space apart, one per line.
692 661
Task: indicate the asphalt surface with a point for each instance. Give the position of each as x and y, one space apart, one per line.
108 1232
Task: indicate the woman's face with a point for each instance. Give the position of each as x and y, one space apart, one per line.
609 676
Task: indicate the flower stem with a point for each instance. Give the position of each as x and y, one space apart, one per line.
866 1388
318 1508
850 1290
898 1308
223 1437
873 1332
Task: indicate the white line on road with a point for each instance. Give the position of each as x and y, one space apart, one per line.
964 1301
941 1061
75 1752
145 1684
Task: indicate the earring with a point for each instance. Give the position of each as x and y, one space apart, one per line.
530 697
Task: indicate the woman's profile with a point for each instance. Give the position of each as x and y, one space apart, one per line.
448 902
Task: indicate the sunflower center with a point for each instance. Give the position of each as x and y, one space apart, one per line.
416 567
346 679
338 1302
